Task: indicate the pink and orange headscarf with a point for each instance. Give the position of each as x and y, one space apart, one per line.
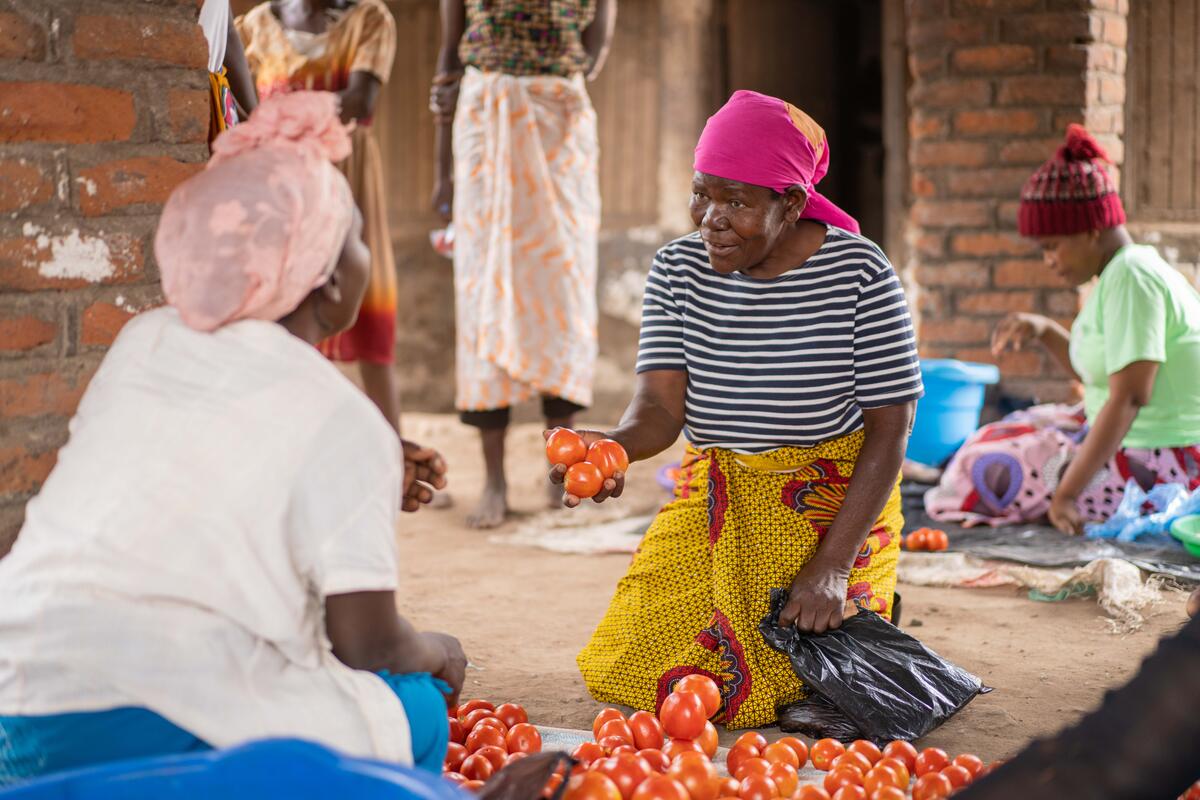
253 234
765 141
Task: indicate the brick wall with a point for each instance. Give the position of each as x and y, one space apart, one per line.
994 85
103 108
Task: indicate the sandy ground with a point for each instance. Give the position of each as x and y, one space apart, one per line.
524 613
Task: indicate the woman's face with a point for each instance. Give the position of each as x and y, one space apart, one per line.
343 294
740 223
1076 258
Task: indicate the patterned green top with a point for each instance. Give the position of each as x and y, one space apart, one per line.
527 37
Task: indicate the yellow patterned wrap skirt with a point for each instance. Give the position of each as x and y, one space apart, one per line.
700 582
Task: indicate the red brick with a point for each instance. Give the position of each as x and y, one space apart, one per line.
1068 57
187 116
926 126
21 39
952 214
927 9
23 184
140 37
993 122
1025 364
921 186
40 394
927 63
1062 302
1026 273
955 330
51 260
930 245
1063 27
952 93
20 333
101 322
995 303
22 471
947 31
64 112
932 301
992 58
994 6
117 184
989 244
1043 90
950 154
1006 213
1032 152
1004 182
956 275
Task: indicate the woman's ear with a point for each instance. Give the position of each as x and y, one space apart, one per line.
794 203
330 289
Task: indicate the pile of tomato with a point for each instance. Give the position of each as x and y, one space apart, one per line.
485 738
926 539
587 467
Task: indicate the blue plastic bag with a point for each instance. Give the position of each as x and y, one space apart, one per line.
1130 522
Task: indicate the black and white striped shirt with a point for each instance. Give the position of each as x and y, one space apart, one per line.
789 361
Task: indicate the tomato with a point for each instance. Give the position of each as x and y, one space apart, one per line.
902 751
798 747
611 743
477 767
565 446
1193 792
483 736
824 751
511 714
697 774
868 749
971 763
492 722
936 540
609 456
660 787
523 738
587 753
706 688
738 754
615 727
753 739
708 740
758 787
888 793
838 778
473 786
932 786
624 748
917 540
513 758
959 776
850 793
683 716
656 759
780 753
879 777
473 718
455 755
592 786
647 730
677 746
852 761
604 716
627 771
474 705
555 781
785 777
898 767
931 759
457 734
455 777
583 480
729 787
752 766
812 792
496 755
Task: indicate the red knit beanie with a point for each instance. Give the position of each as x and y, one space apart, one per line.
1072 192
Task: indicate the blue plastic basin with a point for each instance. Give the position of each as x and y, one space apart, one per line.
949 411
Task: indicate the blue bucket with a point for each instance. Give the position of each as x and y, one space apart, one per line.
949 411
288 768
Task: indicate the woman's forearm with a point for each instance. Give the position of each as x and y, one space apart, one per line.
654 418
1103 440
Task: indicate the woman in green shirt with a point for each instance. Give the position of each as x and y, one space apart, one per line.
1135 347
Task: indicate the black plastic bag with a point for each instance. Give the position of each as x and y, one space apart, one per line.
818 718
886 682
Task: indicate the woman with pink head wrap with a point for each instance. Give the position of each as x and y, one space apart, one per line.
212 559
778 341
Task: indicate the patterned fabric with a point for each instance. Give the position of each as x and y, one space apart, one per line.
1071 193
526 218
1007 472
789 361
527 37
361 39
701 579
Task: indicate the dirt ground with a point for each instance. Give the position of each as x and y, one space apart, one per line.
524 613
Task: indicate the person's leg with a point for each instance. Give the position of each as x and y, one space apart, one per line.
424 701
493 503
559 413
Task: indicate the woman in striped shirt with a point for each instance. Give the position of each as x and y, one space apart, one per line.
779 341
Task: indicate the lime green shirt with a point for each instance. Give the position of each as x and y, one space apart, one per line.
1142 309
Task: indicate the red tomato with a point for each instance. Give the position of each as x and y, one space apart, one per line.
677 746
897 766
618 728
850 793
738 755
457 734
492 722
753 739
932 786
902 751
917 540
936 539
780 753
836 779
511 714
627 771
888 793
824 751
786 778
566 447
624 748
455 755
587 753
455 777
1193 792
611 743
483 736
851 760
496 755
708 740
473 705
660 787
472 718
758 787
604 716
657 759
647 730
798 747
931 759
868 749
878 778
583 480
752 766
477 767
524 738
697 774
971 763
513 758
959 776
812 792
556 780
705 687
729 787
683 716
592 786
609 456
473 786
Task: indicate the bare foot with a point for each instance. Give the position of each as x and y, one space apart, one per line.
492 508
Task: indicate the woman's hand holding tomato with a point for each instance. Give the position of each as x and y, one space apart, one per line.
610 486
